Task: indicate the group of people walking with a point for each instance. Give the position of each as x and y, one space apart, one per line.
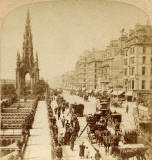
58 154
70 128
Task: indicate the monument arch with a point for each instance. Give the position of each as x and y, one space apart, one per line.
26 64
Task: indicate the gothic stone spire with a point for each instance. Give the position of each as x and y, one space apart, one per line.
27 43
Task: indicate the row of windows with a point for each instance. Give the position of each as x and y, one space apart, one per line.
143 84
144 71
142 49
132 60
132 71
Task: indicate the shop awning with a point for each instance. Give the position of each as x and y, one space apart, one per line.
129 93
117 93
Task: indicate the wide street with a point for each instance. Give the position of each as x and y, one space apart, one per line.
90 107
68 154
39 143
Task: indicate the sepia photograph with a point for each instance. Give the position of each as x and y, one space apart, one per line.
75 79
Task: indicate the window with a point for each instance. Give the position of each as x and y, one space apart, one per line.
151 84
143 84
125 71
132 84
144 50
133 50
133 71
143 59
132 60
125 61
143 70
130 71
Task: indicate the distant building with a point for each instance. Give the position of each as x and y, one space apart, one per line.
112 65
68 80
93 68
138 61
125 63
80 72
7 81
11 81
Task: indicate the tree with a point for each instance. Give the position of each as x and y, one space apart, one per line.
8 90
40 87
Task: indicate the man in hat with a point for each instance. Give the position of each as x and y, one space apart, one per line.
97 155
72 140
59 152
82 150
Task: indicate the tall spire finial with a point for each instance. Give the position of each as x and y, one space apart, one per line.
27 42
28 17
18 56
36 57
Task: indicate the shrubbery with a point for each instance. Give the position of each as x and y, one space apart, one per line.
40 87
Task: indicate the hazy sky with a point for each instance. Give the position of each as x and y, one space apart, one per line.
63 30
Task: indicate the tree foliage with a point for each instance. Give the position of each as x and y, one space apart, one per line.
7 90
40 87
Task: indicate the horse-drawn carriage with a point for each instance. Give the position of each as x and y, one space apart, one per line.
127 151
78 109
116 117
103 104
96 123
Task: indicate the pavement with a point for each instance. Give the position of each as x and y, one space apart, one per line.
38 146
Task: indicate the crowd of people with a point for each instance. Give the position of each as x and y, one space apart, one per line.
70 128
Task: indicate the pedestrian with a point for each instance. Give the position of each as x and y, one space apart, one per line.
67 125
59 113
72 140
63 108
127 109
55 110
87 153
76 126
82 150
61 139
59 152
63 121
97 155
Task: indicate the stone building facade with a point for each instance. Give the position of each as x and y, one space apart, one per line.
93 68
138 60
125 63
112 65
80 72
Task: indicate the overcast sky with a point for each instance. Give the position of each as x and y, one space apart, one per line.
63 30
